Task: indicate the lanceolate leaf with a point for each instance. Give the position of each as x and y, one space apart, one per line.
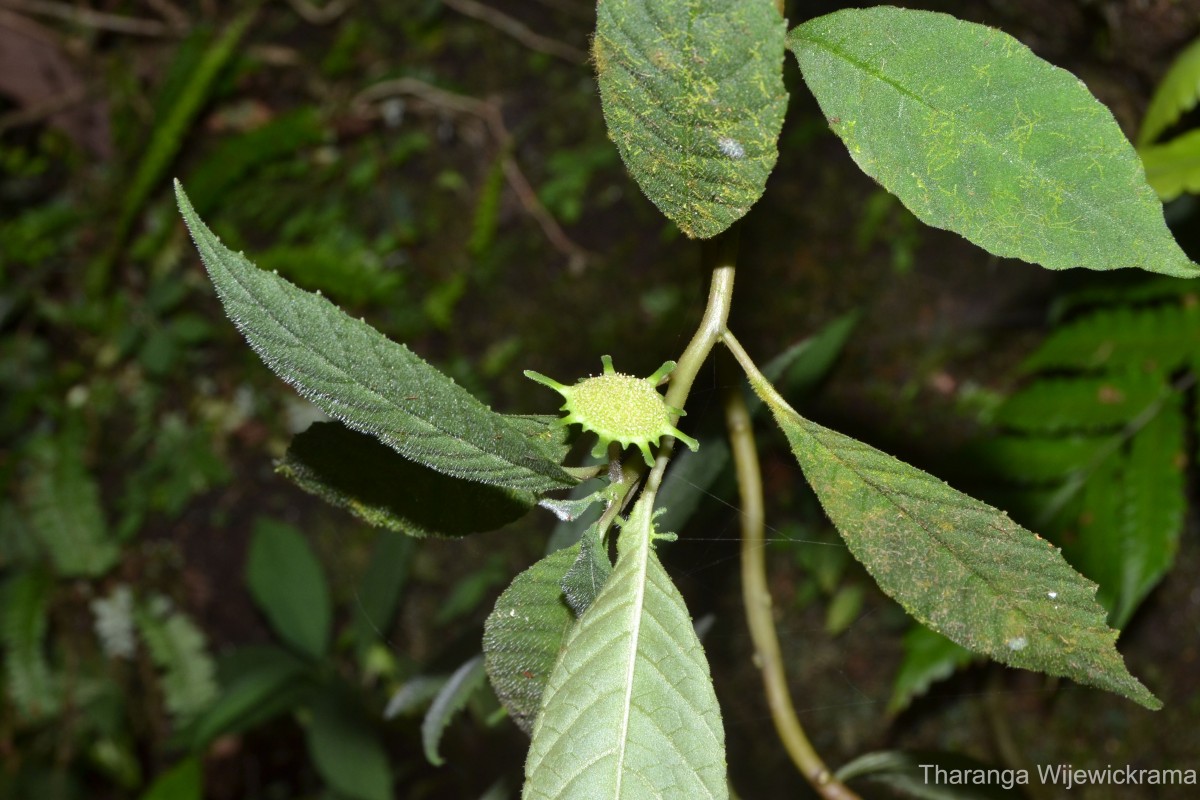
630 711
693 97
1177 93
1174 167
524 635
373 385
289 586
450 699
959 566
379 486
977 135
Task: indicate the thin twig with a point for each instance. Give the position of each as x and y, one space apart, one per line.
490 113
319 15
518 30
88 18
757 599
42 110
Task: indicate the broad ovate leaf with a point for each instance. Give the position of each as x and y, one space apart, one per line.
960 566
693 97
524 634
629 712
977 135
370 383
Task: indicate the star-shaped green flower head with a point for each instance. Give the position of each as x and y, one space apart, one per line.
619 408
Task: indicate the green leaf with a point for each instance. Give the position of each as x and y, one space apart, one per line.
23 624
587 576
914 774
450 699
1151 339
1082 403
272 682
929 657
62 502
977 135
629 711
379 590
1173 168
959 566
346 749
1129 532
180 650
184 781
525 632
1176 93
167 138
286 581
695 119
373 482
371 384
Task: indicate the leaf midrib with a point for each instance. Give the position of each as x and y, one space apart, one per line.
1015 162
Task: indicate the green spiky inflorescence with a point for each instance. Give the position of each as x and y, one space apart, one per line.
619 408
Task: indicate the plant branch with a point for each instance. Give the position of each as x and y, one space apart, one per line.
518 30
757 599
712 325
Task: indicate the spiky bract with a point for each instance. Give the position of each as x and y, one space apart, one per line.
619 408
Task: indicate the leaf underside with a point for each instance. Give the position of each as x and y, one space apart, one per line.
693 97
368 382
379 486
629 711
977 135
960 566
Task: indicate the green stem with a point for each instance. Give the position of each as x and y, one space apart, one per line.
712 326
757 598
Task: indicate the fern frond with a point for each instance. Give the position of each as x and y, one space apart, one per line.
1055 405
1159 338
25 601
62 502
179 649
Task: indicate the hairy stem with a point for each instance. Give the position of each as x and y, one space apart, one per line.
757 598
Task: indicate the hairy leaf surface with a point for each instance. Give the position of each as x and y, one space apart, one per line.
524 635
379 486
629 711
977 135
693 97
1177 93
959 566
373 385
